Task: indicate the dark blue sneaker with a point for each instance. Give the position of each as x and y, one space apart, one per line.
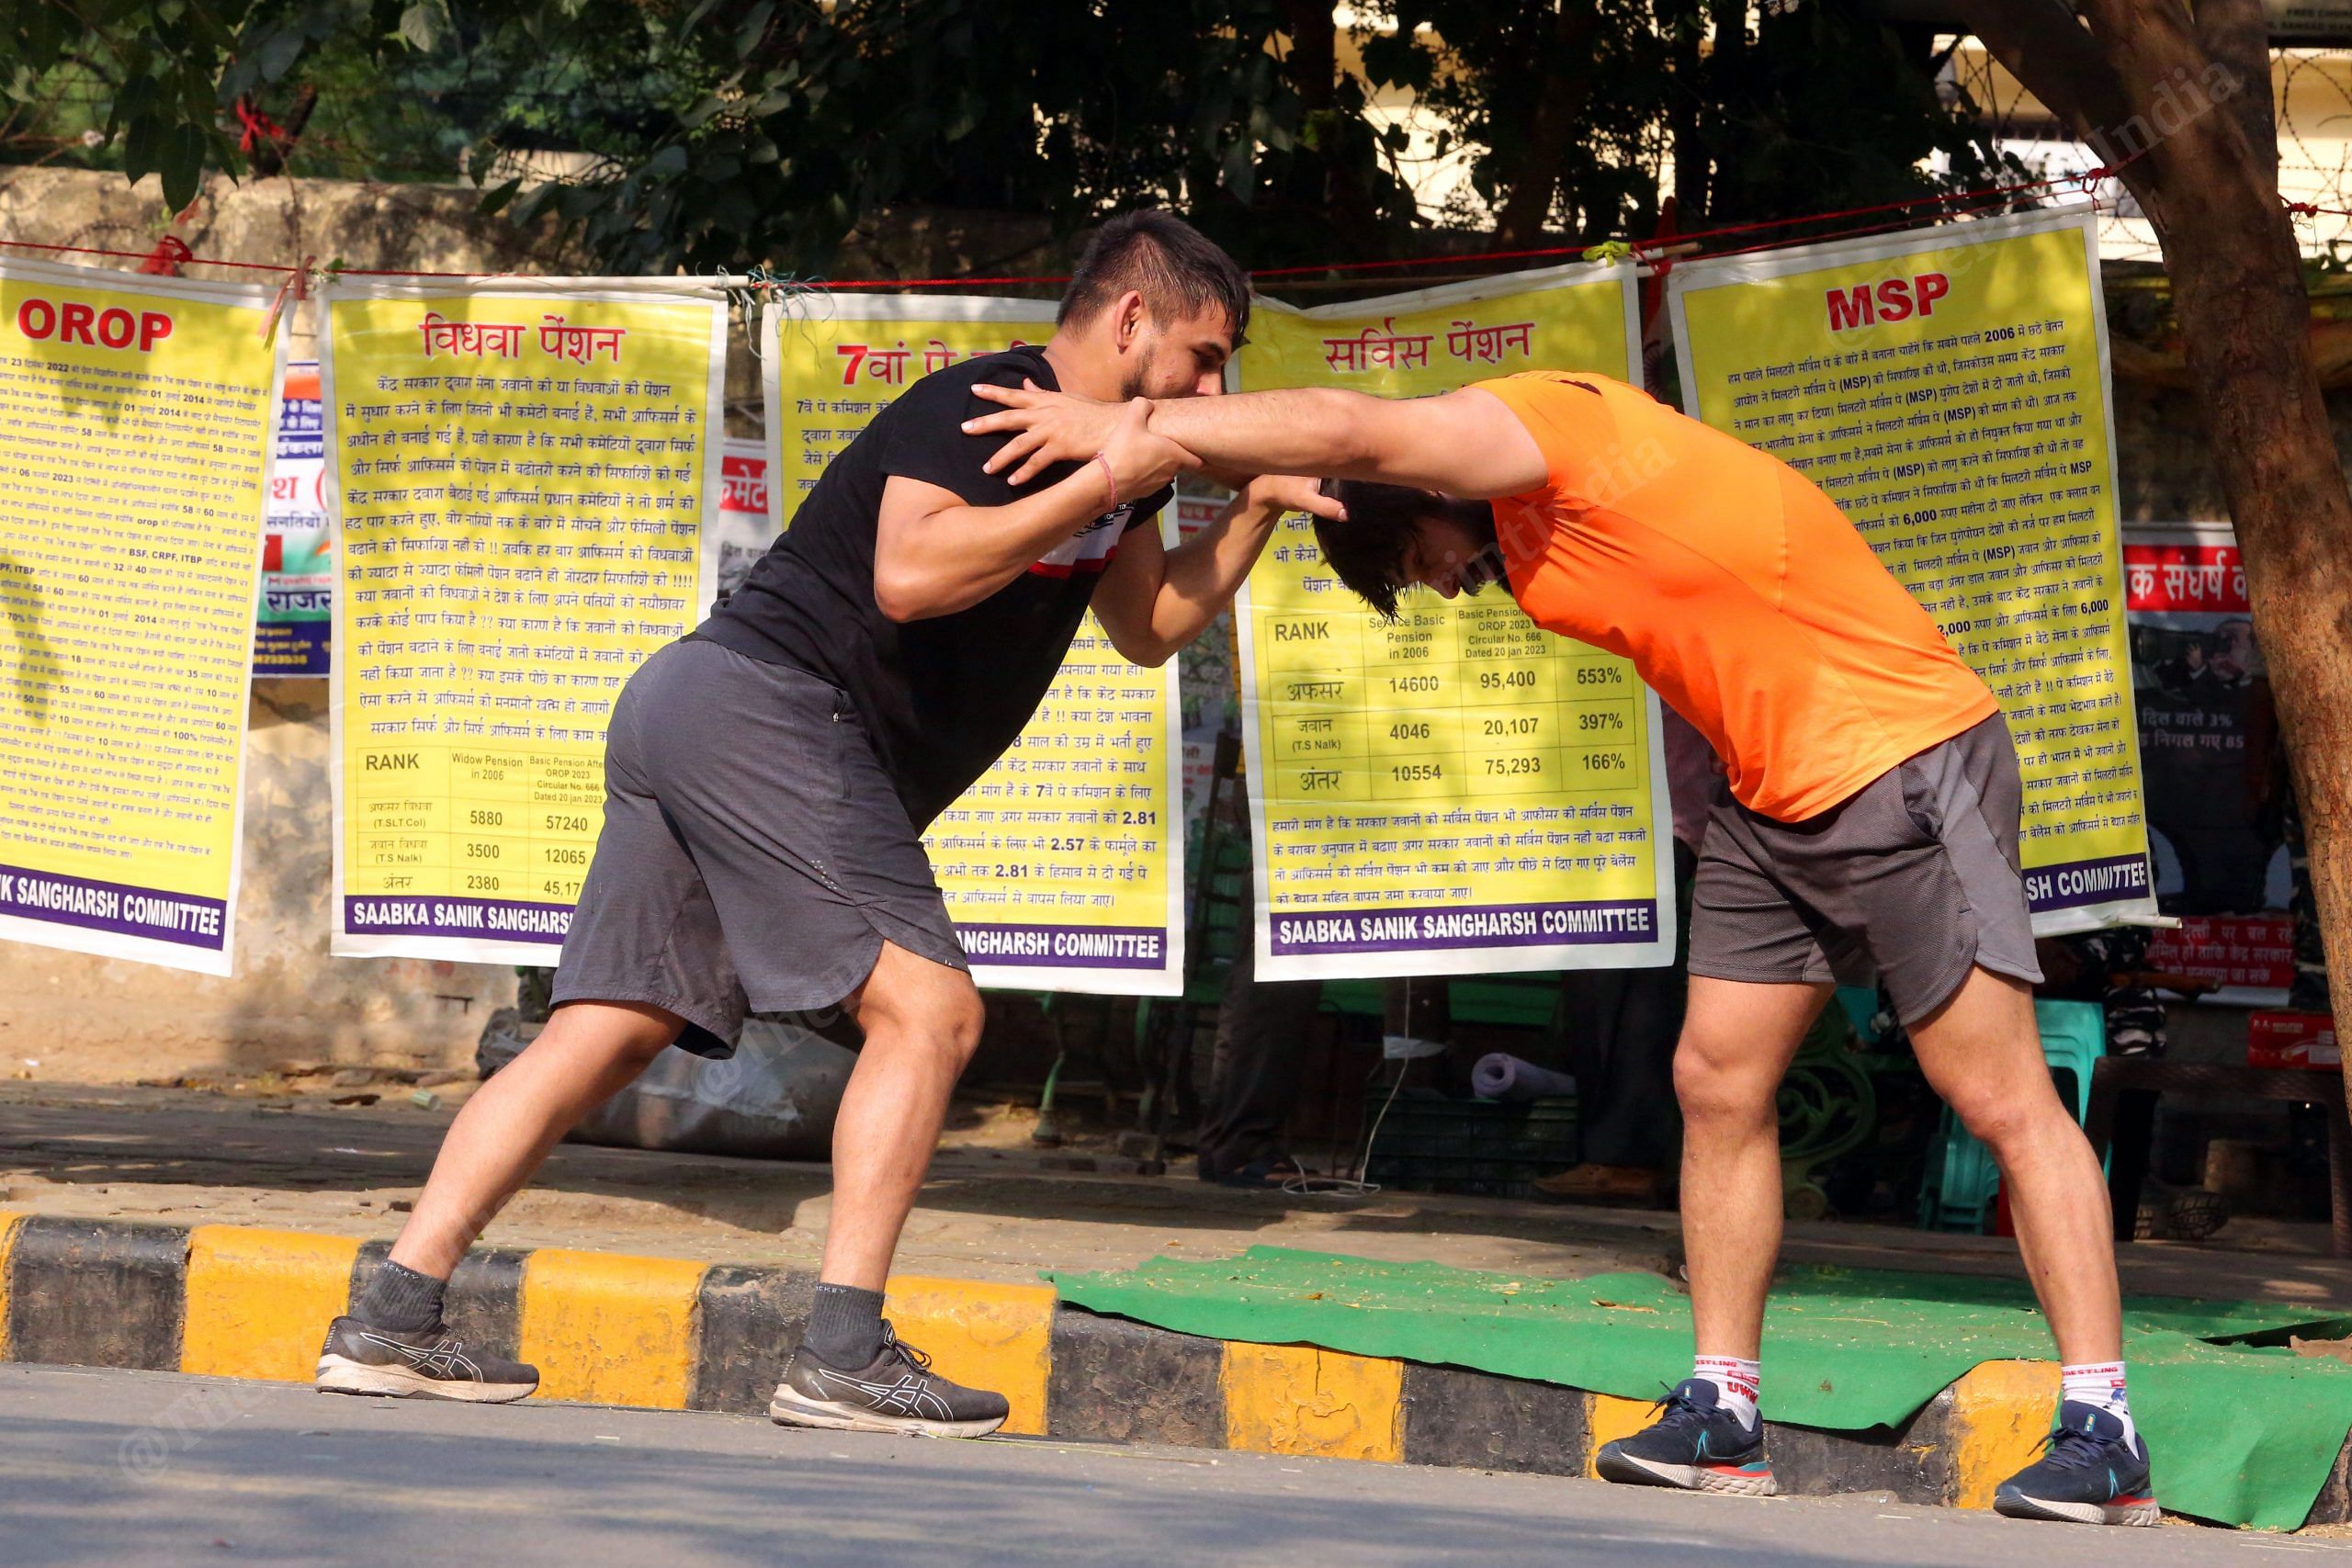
2087 1474
1695 1445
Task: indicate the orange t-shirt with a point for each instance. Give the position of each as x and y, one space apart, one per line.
1740 592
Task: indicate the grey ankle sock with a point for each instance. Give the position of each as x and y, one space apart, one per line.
844 1327
401 1299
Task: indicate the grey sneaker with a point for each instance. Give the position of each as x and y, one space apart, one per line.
426 1364
899 1393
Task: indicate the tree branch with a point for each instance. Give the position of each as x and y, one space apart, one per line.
2236 37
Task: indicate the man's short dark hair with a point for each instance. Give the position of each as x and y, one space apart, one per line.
1367 551
1179 272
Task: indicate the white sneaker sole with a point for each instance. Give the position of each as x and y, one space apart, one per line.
796 1410
1626 1470
2013 1506
340 1375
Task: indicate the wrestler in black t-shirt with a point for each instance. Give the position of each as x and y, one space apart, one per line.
941 697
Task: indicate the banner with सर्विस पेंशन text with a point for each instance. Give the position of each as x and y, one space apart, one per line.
296 611
1948 389
136 417
1062 865
743 527
520 469
1459 791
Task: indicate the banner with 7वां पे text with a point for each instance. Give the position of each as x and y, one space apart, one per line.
1460 791
521 470
1948 388
135 423
1062 866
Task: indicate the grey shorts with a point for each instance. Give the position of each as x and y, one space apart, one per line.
754 855
1914 878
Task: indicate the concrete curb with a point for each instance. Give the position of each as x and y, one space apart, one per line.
659 1333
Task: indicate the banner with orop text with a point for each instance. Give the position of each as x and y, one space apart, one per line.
1948 388
296 610
1063 865
1458 791
520 469
137 415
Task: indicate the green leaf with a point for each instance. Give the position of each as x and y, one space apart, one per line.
667 164
181 160
755 23
420 26
279 52
497 197
141 143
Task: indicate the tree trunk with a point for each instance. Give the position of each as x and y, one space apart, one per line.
2197 114
1566 83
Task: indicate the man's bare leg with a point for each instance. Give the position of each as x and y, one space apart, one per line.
394 1340
922 1021
1738 1040
587 1052
1982 1052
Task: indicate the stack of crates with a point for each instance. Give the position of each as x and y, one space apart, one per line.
1487 1148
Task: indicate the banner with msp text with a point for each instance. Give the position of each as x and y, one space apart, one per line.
297 607
136 421
1458 791
1063 865
520 470
1948 388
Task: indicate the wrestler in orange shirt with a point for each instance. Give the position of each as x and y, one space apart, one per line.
1869 822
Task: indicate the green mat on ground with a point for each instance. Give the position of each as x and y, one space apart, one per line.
2239 1433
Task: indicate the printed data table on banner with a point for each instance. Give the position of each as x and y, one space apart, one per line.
1457 791
522 475
1062 866
1949 390
135 423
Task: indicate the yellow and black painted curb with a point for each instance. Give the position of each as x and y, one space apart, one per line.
664 1334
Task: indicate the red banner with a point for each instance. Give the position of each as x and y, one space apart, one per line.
2210 579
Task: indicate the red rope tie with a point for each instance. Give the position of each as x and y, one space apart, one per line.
258 126
171 254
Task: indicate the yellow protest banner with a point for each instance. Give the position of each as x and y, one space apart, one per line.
1948 388
1457 792
136 421
520 471
1062 865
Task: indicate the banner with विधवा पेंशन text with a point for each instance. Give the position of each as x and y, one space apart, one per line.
1063 865
1948 389
136 418
521 470
1459 792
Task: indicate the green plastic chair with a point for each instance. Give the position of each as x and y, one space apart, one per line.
1958 1188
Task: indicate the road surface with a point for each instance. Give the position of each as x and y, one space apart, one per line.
120 1468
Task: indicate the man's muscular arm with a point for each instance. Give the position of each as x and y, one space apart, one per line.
933 555
1464 443
1154 601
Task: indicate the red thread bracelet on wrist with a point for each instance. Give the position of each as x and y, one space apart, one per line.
1110 484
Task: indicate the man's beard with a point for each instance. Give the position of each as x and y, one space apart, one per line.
1131 388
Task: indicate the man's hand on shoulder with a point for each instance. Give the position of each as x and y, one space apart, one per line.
1045 428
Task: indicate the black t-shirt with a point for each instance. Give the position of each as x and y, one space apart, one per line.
941 697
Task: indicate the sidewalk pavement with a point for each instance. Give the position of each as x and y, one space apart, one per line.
155 1228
